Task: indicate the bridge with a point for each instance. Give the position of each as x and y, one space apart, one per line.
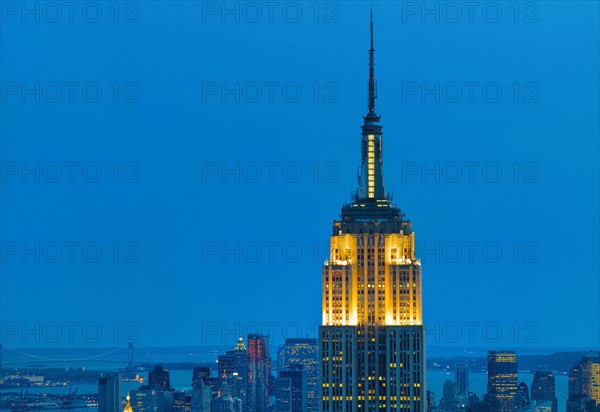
20 357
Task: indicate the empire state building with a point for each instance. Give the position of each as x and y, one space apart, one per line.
372 341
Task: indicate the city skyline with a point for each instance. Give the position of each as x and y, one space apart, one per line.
192 218
583 382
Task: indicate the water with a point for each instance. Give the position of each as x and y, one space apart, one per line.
180 380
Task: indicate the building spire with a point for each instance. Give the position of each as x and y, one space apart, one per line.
370 180
370 201
372 81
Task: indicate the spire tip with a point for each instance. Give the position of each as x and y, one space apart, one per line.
372 83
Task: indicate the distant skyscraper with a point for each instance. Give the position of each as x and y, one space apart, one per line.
290 390
239 381
461 380
590 376
224 403
543 388
448 402
502 381
165 400
258 373
303 351
201 397
281 357
372 342
181 401
595 382
472 397
109 393
199 374
522 399
431 405
226 364
575 384
144 399
584 384
159 378
575 390
233 365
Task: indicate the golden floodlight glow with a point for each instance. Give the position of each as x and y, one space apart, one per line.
349 277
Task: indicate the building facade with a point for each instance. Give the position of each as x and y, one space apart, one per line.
290 392
109 393
502 381
239 381
144 399
259 371
372 341
201 398
584 384
159 378
303 351
543 388
461 378
199 376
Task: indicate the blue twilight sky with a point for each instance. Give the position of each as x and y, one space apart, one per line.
227 131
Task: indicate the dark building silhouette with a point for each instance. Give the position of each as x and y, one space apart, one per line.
226 363
202 378
225 402
109 393
543 388
181 401
461 381
431 405
472 398
448 401
502 381
522 398
165 400
259 372
159 378
200 373
144 399
304 352
476 405
575 382
291 390
201 395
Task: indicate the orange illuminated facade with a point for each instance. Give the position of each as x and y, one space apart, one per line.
372 279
